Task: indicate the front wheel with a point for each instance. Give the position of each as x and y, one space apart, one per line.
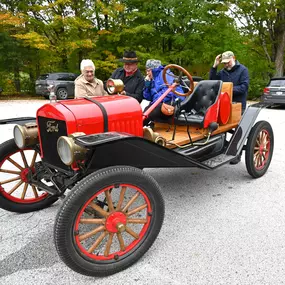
17 193
109 220
259 149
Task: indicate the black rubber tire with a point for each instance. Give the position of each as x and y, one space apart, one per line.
61 94
259 128
8 148
80 194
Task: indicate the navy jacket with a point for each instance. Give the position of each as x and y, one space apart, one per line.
238 75
134 84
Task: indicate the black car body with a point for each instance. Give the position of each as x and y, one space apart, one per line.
61 82
275 91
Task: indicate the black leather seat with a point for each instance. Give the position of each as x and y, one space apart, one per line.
202 106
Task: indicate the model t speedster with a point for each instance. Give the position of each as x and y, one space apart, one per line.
97 148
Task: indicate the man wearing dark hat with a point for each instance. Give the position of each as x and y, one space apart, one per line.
131 76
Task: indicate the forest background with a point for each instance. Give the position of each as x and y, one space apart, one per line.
39 36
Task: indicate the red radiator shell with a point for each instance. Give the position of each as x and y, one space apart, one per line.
124 114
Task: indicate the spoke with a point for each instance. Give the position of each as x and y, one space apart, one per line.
97 208
132 233
121 199
137 221
256 148
35 191
15 187
131 202
92 233
34 159
92 221
15 163
10 180
97 242
121 241
24 191
109 200
24 159
138 209
10 171
108 245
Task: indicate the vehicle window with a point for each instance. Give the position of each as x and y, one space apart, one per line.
43 77
64 77
280 82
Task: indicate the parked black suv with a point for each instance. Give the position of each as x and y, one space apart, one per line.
62 82
275 91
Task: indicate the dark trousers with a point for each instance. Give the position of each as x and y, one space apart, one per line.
155 115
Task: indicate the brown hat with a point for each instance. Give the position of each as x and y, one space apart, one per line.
129 57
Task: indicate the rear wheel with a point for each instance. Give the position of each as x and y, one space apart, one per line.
109 220
17 194
259 149
61 94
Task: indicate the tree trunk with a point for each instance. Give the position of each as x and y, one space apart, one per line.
279 60
280 44
17 82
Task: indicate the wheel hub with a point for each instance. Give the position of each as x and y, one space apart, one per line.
24 174
116 222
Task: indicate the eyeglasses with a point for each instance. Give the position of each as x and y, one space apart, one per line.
89 71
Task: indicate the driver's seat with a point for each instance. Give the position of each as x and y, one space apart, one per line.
202 106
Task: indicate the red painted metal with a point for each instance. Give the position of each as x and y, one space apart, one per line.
225 108
211 114
124 114
113 220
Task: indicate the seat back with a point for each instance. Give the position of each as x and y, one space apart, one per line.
204 95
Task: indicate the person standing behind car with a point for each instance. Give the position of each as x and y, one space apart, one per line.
86 84
155 87
233 72
131 76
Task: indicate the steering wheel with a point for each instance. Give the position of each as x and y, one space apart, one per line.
178 78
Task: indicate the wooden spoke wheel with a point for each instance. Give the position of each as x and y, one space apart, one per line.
17 193
259 149
175 73
109 221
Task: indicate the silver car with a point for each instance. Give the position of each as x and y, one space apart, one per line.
61 82
275 91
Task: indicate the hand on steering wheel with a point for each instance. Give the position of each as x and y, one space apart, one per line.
178 78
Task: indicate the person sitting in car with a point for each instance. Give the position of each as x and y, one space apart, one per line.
86 84
154 88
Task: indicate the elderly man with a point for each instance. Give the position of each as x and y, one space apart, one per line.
87 85
233 72
131 76
236 73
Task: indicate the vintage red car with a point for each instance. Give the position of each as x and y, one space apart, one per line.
96 149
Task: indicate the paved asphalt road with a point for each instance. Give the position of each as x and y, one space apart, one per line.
221 227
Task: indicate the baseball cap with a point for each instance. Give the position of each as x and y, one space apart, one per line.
226 56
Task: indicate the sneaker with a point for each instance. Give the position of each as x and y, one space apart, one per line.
236 160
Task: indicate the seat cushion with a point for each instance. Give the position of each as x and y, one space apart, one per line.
191 119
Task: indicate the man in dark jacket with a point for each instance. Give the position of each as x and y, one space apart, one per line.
233 72
131 76
236 73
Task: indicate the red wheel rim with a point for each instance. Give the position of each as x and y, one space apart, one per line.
261 150
117 228
14 177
